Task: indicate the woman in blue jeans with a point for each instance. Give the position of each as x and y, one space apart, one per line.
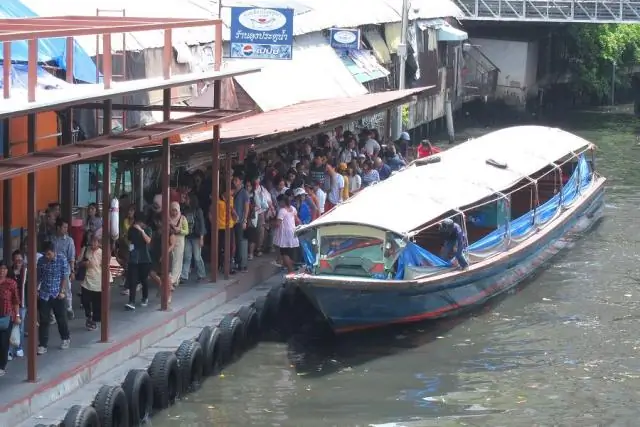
18 272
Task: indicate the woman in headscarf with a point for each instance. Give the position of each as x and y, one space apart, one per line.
179 227
9 313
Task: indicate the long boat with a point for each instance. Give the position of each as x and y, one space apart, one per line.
519 195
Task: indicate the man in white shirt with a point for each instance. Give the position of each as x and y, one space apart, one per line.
336 187
320 195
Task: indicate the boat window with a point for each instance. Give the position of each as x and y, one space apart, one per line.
352 255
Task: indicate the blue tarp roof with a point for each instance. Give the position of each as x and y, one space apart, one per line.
50 49
19 76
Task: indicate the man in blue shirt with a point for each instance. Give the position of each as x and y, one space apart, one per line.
383 170
454 242
241 204
63 244
53 279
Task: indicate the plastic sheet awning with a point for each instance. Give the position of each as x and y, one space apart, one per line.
50 50
363 65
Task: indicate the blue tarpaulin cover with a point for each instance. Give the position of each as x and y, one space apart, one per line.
415 256
49 49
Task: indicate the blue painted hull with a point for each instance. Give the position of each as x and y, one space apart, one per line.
350 307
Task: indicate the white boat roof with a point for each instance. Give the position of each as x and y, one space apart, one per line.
419 194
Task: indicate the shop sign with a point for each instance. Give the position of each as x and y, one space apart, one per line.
345 38
261 33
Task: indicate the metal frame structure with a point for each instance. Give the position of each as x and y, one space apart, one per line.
31 29
586 11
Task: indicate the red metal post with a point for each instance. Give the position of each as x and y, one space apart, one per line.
6 69
107 69
215 196
227 229
69 59
32 316
106 228
106 248
218 47
32 69
166 170
167 54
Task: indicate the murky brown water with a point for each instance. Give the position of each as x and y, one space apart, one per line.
563 351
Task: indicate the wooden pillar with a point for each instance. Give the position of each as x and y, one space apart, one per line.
227 229
7 196
66 179
215 185
166 170
32 316
106 229
6 149
215 195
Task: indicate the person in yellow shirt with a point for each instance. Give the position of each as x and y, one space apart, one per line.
344 171
222 225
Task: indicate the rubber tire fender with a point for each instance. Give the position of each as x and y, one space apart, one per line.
111 405
230 338
262 313
165 379
139 391
250 325
209 340
81 416
190 361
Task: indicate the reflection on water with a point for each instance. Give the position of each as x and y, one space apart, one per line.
562 351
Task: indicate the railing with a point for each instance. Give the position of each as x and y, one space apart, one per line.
593 11
480 75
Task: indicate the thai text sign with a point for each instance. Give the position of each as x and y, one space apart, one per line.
345 38
261 33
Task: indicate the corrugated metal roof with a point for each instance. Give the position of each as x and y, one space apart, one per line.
306 115
134 8
310 15
315 72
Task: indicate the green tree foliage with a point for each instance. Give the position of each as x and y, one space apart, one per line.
592 49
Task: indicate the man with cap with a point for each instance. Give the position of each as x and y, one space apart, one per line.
455 242
305 213
404 141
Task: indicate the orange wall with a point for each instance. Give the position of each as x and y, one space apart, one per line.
47 182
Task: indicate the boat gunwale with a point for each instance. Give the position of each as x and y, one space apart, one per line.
357 283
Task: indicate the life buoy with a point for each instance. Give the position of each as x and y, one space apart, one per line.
111 406
139 391
165 379
262 314
190 361
209 341
250 325
81 416
230 338
114 218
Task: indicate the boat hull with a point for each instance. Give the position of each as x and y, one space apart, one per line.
349 308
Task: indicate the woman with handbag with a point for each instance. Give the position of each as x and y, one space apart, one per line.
91 264
18 272
9 313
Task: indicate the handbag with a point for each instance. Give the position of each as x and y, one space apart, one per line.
14 338
4 323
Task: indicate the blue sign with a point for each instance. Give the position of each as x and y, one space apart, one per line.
261 33
344 38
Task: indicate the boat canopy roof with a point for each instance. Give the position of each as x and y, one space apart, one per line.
419 194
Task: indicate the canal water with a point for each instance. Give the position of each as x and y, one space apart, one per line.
561 351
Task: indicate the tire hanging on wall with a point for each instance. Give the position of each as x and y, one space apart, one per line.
209 340
139 391
111 406
262 313
250 325
165 379
277 303
190 360
230 338
81 416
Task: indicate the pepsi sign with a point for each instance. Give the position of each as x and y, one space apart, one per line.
261 33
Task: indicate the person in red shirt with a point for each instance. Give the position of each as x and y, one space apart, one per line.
425 149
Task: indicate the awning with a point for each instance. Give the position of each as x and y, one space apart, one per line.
314 72
314 116
445 31
379 46
363 65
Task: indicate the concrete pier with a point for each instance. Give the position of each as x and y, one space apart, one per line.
74 375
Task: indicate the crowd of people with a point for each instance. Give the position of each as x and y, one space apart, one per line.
271 194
